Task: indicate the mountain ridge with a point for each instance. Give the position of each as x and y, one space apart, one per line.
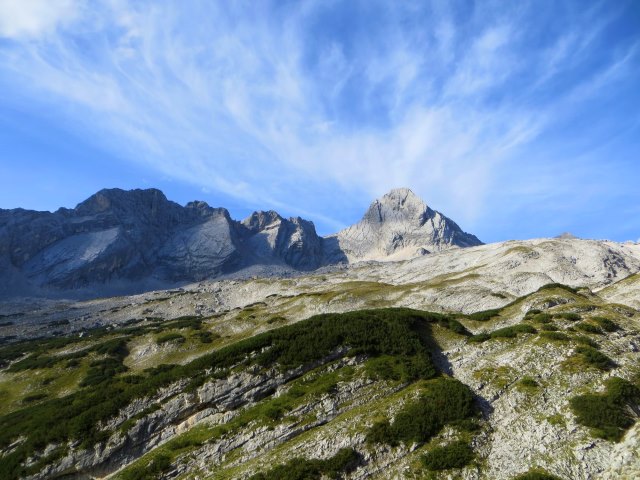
138 240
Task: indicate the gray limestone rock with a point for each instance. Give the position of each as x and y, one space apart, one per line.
120 241
399 226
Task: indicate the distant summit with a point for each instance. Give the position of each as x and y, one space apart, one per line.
566 236
398 226
126 241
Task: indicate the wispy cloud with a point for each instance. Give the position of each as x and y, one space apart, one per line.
277 103
24 19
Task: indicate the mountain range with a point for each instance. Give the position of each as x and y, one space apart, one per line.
399 347
127 241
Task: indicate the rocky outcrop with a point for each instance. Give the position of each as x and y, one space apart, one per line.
173 411
273 239
398 226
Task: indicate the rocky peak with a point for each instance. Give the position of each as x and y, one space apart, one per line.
400 225
260 220
115 199
399 205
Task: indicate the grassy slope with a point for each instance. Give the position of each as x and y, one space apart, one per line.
15 386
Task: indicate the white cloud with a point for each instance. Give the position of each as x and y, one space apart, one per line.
244 101
21 19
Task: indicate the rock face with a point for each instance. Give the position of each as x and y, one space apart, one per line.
271 238
116 236
399 226
120 241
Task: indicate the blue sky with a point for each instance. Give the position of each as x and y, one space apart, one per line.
516 119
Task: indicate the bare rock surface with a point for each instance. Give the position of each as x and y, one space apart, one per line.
120 241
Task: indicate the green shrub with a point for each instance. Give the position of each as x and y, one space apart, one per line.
571 316
484 315
455 326
381 432
34 398
187 321
595 358
551 286
207 337
549 327
581 339
609 414
533 311
445 401
555 336
536 474
346 460
528 382
101 371
114 348
403 333
151 471
479 338
542 318
170 337
606 324
588 328
513 331
466 425
455 455
276 319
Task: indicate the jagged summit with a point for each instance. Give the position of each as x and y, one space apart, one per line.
400 225
113 199
399 205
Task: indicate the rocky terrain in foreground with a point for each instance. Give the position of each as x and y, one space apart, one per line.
531 353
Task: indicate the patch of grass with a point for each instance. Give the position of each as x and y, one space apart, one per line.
506 332
513 331
346 460
549 327
188 321
571 316
595 358
588 328
454 455
454 325
528 382
551 286
583 340
484 315
556 419
555 336
151 471
499 377
34 397
536 474
170 337
398 368
445 401
611 413
207 337
479 338
606 324
276 319
542 318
